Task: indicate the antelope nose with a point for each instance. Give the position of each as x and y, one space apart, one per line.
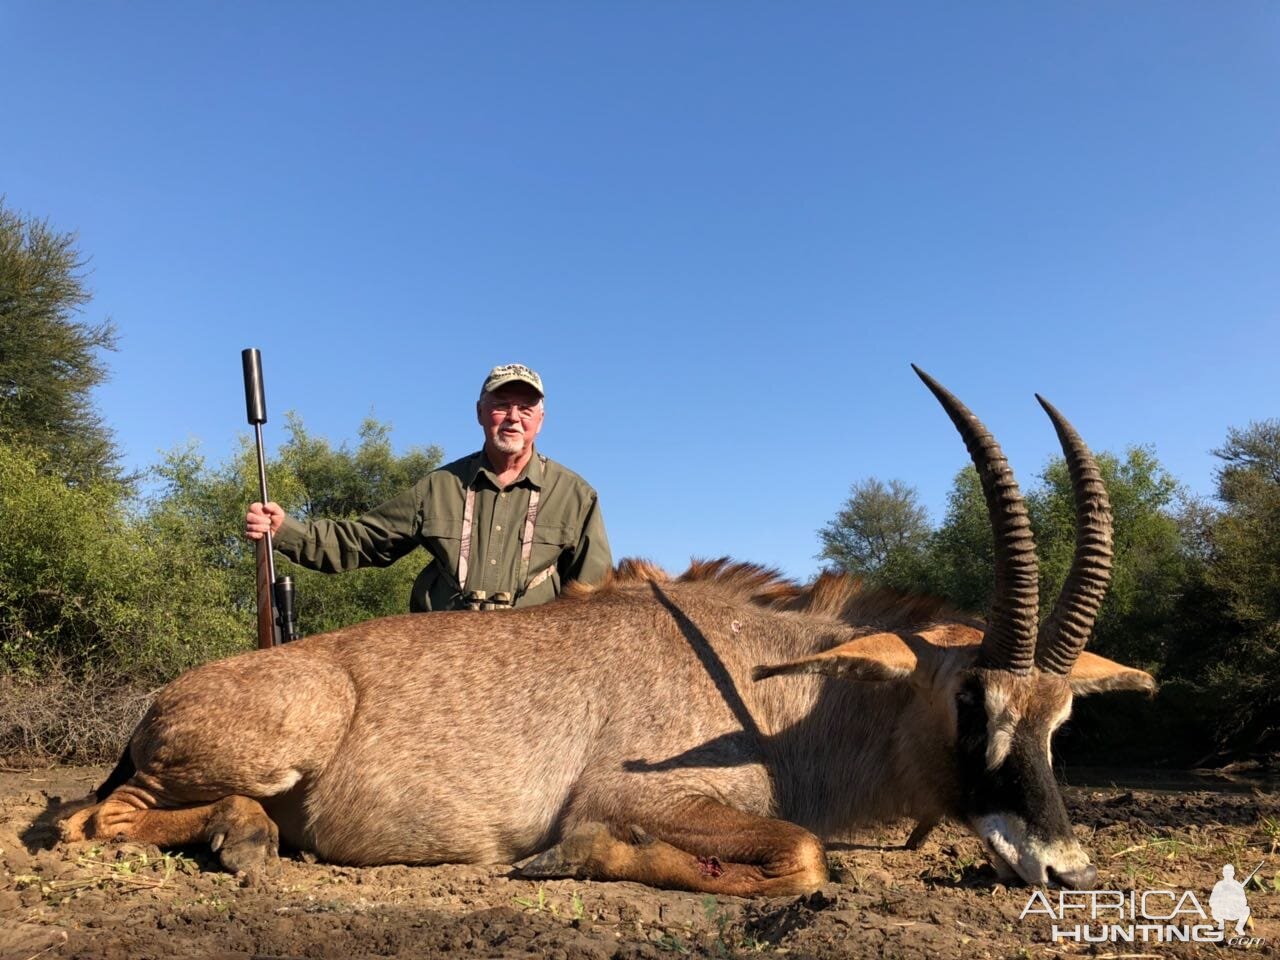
1078 879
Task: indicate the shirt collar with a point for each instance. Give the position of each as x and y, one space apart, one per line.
530 476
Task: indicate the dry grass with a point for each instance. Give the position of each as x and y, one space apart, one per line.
58 719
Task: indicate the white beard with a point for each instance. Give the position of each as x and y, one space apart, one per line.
509 442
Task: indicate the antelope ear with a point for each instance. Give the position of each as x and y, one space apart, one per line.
880 656
1094 674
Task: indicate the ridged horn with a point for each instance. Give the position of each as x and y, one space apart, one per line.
1066 630
1010 640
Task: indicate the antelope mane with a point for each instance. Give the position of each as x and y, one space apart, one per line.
833 598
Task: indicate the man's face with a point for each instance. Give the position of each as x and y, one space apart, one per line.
511 417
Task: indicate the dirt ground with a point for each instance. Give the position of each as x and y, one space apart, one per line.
941 902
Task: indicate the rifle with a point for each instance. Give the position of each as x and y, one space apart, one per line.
1255 870
282 627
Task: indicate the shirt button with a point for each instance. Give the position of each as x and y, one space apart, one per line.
502 496
492 562
498 527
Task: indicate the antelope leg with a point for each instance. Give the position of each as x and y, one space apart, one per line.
703 846
235 827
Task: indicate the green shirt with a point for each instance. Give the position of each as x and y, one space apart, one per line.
568 534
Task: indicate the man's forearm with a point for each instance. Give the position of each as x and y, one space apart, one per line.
335 546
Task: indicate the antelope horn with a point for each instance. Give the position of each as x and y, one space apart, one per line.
1065 632
1009 642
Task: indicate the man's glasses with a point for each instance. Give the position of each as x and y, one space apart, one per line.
520 408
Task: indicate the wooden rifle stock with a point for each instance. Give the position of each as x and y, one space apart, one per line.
266 612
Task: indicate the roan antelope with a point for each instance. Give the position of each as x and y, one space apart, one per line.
629 732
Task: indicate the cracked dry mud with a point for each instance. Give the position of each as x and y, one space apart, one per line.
134 901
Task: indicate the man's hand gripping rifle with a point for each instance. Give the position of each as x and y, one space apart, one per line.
282 627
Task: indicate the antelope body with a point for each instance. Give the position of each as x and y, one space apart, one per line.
632 731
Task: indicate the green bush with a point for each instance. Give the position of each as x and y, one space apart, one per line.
83 586
200 510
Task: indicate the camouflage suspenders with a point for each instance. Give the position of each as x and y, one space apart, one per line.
477 599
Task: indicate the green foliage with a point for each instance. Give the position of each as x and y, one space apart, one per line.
345 483
86 585
957 560
1243 575
880 532
1246 538
1150 563
49 361
960 561
82 587
315 480
203 508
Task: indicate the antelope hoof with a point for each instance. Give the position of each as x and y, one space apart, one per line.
246 841
577 856
73 819
919 834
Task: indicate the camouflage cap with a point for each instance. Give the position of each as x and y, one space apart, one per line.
511 373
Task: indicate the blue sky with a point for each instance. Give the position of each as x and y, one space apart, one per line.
721 231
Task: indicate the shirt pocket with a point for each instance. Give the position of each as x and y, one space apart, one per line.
442 537
549 541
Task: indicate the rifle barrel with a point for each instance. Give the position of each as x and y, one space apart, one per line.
1255 870
255 403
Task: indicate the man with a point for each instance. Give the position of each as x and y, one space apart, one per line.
1228 900
504 526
